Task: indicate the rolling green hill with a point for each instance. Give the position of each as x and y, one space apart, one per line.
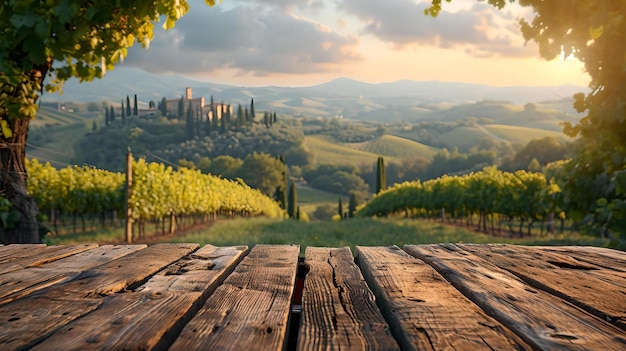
53 134
56 143
522 135
464 137
47 116
327 151
395 146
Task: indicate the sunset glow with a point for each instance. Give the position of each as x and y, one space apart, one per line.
307 42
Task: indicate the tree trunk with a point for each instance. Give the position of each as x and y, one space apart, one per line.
13 180
13 177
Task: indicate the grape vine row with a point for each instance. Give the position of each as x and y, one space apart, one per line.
523 197
158 193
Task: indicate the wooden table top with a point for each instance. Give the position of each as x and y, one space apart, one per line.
420 297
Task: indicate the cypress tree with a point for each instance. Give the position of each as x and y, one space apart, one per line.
281 190
198 122
163 107
381 181
292 201
135 111
106 116
213 115
111 114
215 121
189 125
224 118
127 105
240 121
352 204
181 108
340 208
123 111
252 115
247 116
274 118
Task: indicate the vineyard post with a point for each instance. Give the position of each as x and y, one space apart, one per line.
128 208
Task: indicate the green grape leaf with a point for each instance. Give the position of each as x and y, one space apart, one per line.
6 131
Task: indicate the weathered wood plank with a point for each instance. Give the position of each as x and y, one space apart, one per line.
250 310
36 256
562 276
424 311
612 260
338 308
20 283
541 319
125 272
78 297
199 271
11 252
153 315
25 322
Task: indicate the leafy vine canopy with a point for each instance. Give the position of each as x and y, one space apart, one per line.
60 39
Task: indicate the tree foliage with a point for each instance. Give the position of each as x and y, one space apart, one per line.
58 40
594 32
64 39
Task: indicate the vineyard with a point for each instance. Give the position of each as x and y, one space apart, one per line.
492 197
160 195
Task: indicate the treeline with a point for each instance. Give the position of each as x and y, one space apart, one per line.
160 195
280 139
344 132
162 140
487 199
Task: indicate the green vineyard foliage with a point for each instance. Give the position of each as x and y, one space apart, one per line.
524 196
157 192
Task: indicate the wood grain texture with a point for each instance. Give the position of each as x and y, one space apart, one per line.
541 319
153 315
25 322
11 252
126 272
55 306
200 271
127 321
339 311
20 283
424 310
611 260
250 310
36 256
586 285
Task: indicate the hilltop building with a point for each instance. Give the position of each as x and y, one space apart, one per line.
197 104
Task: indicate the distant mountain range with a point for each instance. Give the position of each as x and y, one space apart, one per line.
342 96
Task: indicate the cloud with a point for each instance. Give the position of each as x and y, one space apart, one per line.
286 4
482 29
247 39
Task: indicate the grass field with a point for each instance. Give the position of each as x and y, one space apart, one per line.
463 137
309 199
60 150
395 146
329 152
364 232
51 116
521 135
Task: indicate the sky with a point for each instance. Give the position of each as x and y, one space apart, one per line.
309 42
